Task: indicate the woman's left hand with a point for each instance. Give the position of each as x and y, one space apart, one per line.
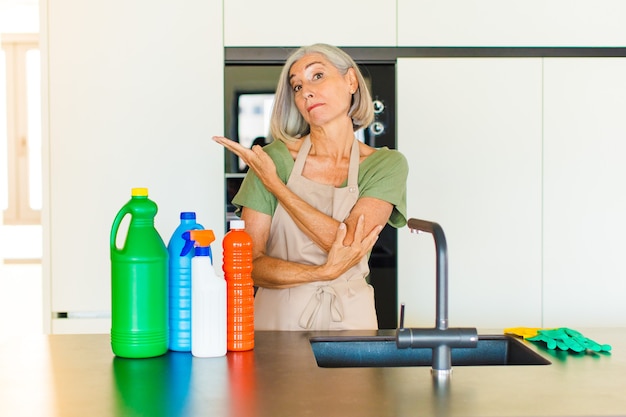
256 158
340 257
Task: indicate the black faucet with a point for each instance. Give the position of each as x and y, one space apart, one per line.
440 339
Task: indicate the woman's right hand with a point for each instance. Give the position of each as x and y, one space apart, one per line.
341 258
256 158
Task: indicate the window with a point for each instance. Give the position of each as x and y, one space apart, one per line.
20 130
253 119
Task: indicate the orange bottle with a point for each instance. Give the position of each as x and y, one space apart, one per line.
237 268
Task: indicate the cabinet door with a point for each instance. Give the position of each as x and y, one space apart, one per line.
128 106
287 23
471 130
585 192
578 23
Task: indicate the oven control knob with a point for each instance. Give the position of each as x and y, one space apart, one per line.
379 106
377 128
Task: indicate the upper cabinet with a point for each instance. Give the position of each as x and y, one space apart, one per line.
288 23
426 23
504 23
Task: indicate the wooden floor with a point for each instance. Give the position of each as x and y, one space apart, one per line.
20 282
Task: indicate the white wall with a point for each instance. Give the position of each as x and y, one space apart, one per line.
19 16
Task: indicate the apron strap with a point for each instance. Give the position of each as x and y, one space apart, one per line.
353 171
303 152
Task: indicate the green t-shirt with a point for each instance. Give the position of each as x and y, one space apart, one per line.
382 175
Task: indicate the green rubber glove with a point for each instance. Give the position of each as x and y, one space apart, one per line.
568 339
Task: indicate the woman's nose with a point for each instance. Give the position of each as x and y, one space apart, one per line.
307 91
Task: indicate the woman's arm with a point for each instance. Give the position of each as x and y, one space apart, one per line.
272 272
322 229
319 227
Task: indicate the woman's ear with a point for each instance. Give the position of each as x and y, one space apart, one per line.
352 80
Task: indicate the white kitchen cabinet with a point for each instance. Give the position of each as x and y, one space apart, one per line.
535 23
135 94
584 192
471 130
288 23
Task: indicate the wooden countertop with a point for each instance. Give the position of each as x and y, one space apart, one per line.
77 375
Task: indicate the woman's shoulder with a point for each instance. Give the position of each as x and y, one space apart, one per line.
386 157
275 147
278 151
280 154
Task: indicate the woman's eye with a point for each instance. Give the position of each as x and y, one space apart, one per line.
318 75
296 88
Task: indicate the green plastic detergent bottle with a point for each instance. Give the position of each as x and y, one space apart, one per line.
139 305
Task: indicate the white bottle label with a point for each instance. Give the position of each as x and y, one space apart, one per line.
208 310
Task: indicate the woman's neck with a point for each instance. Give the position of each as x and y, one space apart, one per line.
332 143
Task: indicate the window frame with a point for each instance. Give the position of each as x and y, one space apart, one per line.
19 210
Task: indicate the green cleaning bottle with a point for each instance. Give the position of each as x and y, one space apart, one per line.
139 327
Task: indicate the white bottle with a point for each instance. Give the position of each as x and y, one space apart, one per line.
208 300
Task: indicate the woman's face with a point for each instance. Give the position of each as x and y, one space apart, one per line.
321 93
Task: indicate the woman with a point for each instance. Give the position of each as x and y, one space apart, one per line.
315 199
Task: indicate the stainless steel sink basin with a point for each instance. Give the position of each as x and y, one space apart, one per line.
381 351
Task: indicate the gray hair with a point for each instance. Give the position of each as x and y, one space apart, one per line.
287 124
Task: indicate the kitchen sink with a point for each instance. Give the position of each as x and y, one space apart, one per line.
381 351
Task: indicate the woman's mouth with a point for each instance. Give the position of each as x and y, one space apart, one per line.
311 107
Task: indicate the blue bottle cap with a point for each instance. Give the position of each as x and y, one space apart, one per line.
188 215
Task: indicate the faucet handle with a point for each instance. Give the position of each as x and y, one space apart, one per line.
401 326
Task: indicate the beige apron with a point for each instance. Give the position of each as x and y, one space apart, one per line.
344 303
